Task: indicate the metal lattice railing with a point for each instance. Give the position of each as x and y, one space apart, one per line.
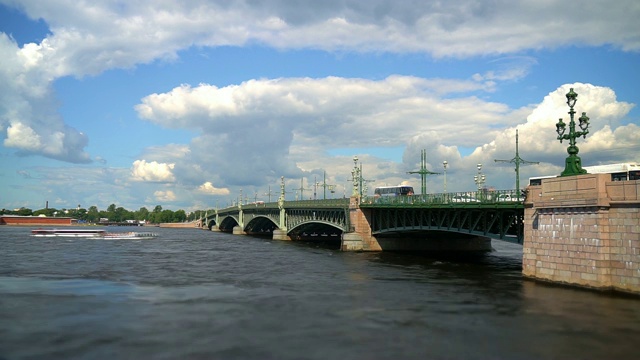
473 198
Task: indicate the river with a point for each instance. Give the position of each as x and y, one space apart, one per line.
195 294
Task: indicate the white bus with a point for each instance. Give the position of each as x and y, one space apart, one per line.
619 172
400 190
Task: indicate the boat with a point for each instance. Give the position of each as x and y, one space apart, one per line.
83 233
93 234
131 235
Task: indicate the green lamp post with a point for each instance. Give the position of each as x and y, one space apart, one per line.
573 164
423 172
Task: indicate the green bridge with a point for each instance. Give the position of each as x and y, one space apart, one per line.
486 214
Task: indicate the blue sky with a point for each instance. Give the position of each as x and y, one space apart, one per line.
185 105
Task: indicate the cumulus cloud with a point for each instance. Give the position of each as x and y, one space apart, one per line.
152 171
329 110
262 125
28 119
115 34
538 139
89 38
254 132
164 196
258 130
208 188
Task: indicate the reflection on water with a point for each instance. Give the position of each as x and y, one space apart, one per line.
198 294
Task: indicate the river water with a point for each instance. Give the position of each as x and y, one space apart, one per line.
194 294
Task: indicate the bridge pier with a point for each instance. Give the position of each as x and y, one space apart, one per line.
359 238
280 235
237 230
585 231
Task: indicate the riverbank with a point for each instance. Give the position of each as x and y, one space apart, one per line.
190 225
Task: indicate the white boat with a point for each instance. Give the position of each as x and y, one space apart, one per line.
83 233
132 235
93 234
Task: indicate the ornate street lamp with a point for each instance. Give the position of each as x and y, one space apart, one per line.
445 163
573 163
479 180
355 177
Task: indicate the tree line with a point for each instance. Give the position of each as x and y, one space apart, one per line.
113 213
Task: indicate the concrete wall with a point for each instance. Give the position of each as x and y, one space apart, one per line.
584 230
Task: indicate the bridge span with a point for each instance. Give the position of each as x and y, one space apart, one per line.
449 221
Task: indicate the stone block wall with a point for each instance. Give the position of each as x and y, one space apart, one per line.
584 230
360 237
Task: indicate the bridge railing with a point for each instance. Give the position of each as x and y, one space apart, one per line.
498 197
324 203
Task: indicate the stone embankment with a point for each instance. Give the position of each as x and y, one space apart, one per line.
190 225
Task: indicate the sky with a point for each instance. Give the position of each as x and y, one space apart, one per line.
194 104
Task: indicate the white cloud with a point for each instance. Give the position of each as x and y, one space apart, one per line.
164 196
152 171
29 115
256 131
208 188
89 38
253 132
268 125
330 109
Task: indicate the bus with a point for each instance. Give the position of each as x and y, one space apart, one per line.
400 190
619 172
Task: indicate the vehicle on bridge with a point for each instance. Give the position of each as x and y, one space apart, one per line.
464 198
400 190
619 172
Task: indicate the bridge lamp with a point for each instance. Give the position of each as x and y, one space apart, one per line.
478 178
444 164
573 163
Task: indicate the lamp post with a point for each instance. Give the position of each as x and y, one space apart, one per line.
517 160
356 177
423 172
325 186
445 163
573 164
479 179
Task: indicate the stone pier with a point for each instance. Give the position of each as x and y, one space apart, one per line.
584 230
280 235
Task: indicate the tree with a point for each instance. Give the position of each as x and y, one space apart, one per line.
179 216
142 214
93 215
25 211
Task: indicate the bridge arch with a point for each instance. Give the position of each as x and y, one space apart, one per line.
260 224
228 222
499 223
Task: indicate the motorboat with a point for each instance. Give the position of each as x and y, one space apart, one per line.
83 233
93 234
